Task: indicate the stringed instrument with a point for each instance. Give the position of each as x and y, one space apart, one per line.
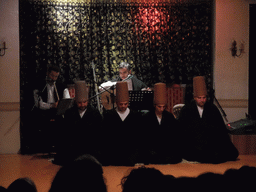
109 92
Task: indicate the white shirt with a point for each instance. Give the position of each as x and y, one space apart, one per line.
124 114
81 113
129 83
159 120
109 84
200 110
50 92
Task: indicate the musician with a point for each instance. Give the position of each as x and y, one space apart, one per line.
204 134
81 133
161 143
47 93
125 74
122 133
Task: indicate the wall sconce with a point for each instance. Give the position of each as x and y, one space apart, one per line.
234 49
2 49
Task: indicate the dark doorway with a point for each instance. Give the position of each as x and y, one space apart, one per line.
252 61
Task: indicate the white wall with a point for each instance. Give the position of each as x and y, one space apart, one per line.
9 78
230 74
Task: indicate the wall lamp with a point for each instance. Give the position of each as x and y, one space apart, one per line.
234 49
2 49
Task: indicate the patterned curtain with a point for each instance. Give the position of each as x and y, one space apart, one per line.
163 41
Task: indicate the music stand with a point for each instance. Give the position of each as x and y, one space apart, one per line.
141 100
64 104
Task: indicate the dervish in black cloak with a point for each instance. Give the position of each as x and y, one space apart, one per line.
205 139
161 140
80 135
121 138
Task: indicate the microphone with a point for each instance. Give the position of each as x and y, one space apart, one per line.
128 77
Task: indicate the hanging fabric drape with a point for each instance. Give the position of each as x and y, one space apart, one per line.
166 42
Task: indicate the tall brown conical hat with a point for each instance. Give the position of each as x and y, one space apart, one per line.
81 92
122 93
160 94
199 86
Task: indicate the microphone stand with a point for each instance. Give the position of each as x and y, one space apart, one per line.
96 89
221 109
105 90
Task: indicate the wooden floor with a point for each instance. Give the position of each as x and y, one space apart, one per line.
42 171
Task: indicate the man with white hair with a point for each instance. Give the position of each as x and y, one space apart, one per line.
125 74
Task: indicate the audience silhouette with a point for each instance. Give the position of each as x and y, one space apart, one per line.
2 189
151 179
83 174
86 174
143 179
22 184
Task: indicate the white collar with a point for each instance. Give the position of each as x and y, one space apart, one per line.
159 119
81 113
200 110
124 114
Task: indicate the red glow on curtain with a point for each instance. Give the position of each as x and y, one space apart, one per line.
152 20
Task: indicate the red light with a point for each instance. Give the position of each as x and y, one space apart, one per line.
152 20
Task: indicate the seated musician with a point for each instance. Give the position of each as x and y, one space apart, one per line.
125 74
47 94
